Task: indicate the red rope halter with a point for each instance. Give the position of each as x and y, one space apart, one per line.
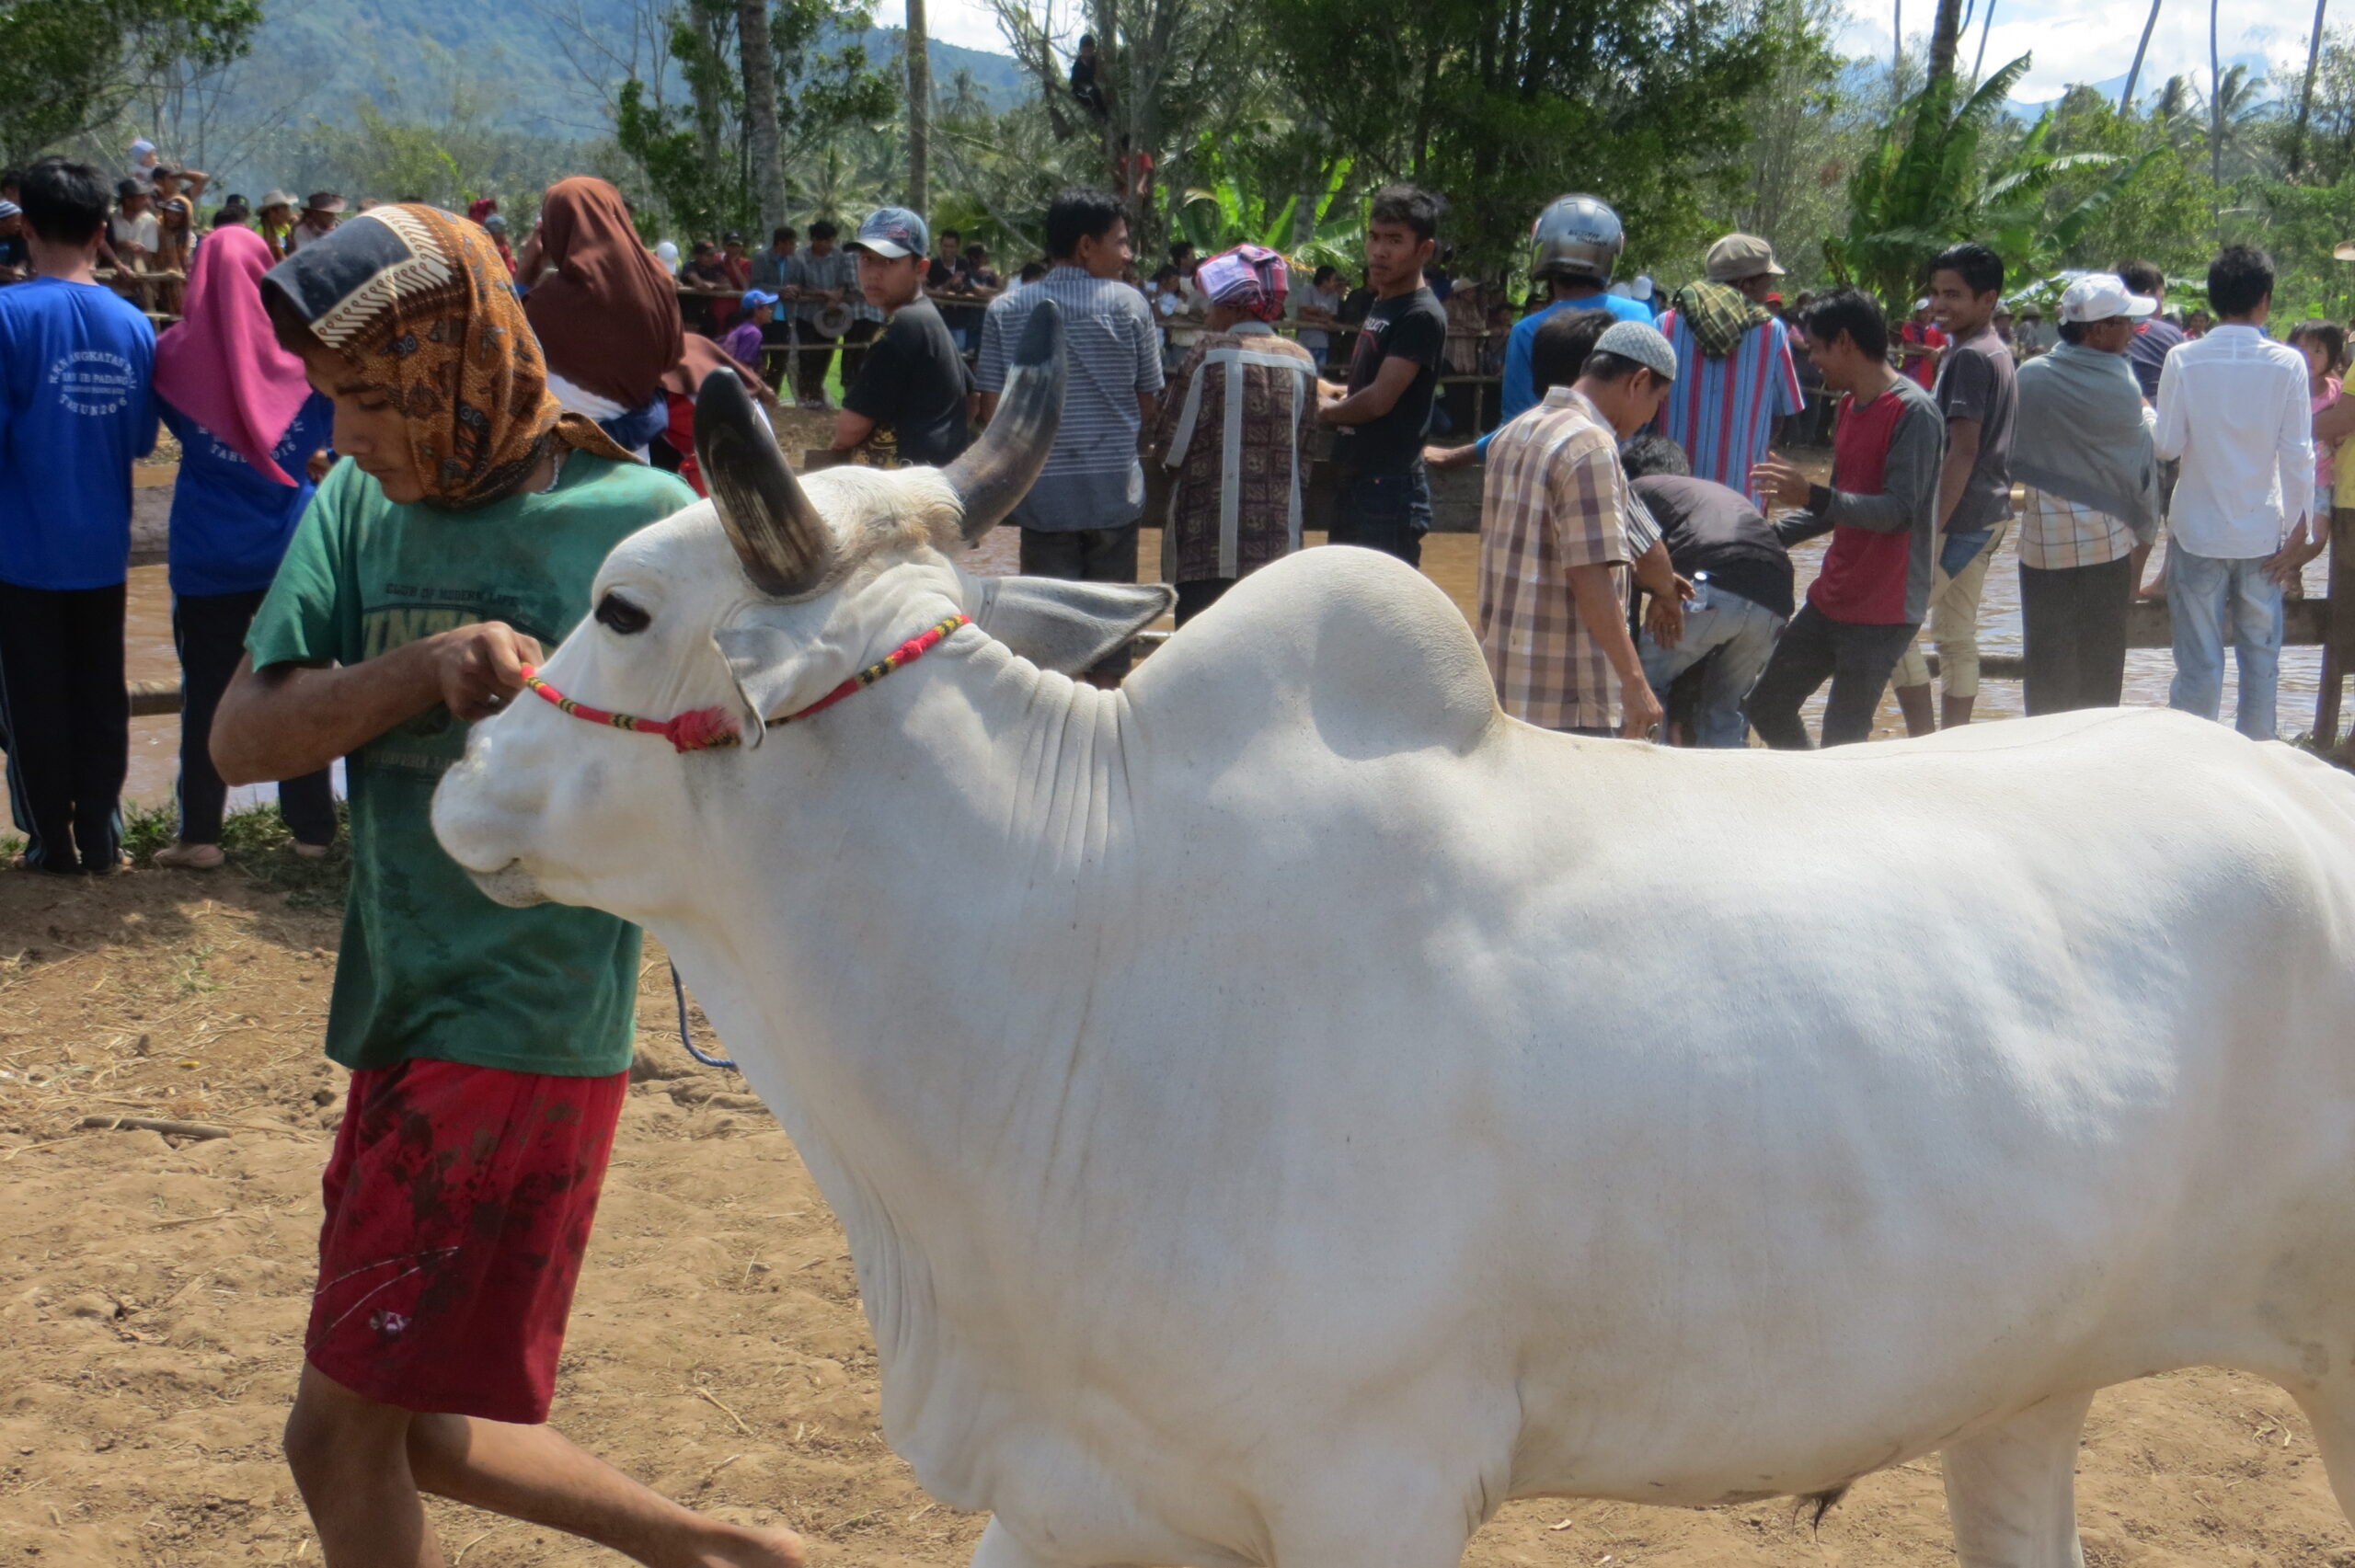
701 729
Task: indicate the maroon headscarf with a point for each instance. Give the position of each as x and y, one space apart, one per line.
608 317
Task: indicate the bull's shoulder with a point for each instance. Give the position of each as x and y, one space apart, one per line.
1351 644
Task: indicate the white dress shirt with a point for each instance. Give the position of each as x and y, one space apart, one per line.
2234 406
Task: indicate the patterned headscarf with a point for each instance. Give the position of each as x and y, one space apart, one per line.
1250 278
421 303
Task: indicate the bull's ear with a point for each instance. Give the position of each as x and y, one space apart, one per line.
762 660
1068 626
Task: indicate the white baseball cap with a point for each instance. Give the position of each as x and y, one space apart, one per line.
2097 296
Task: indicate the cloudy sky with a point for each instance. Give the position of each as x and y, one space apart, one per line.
2072 40
2092 41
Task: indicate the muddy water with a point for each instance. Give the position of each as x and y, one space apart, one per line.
1452 560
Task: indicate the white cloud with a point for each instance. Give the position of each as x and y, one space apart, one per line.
2092 41
968 22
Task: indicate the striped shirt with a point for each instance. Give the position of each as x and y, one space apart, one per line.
837 269
2057 533
1111 353
1722 411
1555 498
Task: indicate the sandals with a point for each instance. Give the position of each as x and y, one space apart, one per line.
189 857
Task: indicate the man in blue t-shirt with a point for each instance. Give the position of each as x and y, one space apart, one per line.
76 408
1573 248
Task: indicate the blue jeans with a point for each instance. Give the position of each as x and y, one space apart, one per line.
2202 591
1742 633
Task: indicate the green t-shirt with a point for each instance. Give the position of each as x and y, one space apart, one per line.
430 968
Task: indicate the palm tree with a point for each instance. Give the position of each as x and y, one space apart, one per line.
918 45
1923 187
2215 110
2134 72
2234 108
754 46
2306 95
2173 112
1946 35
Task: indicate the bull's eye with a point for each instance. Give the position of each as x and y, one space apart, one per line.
622 615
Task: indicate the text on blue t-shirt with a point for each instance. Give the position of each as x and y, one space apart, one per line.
76 405
230 525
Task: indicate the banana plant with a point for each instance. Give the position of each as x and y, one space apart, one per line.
1228 213
1923 189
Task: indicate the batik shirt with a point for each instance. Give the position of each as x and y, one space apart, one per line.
1235 426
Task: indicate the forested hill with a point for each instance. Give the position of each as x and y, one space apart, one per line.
317 57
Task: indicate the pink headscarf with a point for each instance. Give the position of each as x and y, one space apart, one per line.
222 365
1250 278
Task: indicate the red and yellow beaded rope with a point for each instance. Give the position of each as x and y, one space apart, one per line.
701 729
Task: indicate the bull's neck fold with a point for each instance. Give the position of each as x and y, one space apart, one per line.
965 824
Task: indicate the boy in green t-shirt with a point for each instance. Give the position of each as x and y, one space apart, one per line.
489 1047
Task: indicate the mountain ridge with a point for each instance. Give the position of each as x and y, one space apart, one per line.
409 58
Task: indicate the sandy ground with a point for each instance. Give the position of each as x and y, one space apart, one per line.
153 1298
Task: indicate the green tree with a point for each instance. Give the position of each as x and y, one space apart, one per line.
68 66
1173 72
434 133
1791 167
698 155
1930 181
2161 215
1504 105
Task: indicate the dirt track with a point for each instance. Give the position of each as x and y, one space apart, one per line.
153 1298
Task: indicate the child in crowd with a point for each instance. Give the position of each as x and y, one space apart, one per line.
907 403
2324 343
744 339
489 1045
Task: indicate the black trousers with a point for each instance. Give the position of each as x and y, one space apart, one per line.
1195 597
2073 619
1390 512
68 720
1857 660
1085 554
209 631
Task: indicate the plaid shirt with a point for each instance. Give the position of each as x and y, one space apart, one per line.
2057 533
1555 498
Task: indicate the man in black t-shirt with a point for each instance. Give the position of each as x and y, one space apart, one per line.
1385 411
908 403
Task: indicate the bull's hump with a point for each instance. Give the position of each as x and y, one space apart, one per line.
1352 643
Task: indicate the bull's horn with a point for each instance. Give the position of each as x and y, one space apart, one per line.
998 470
781 537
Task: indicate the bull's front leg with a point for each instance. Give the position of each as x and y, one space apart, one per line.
2011 1490
1000 1550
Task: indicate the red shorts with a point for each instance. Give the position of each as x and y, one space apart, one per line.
458 1205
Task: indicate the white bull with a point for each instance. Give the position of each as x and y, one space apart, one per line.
1282 1109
